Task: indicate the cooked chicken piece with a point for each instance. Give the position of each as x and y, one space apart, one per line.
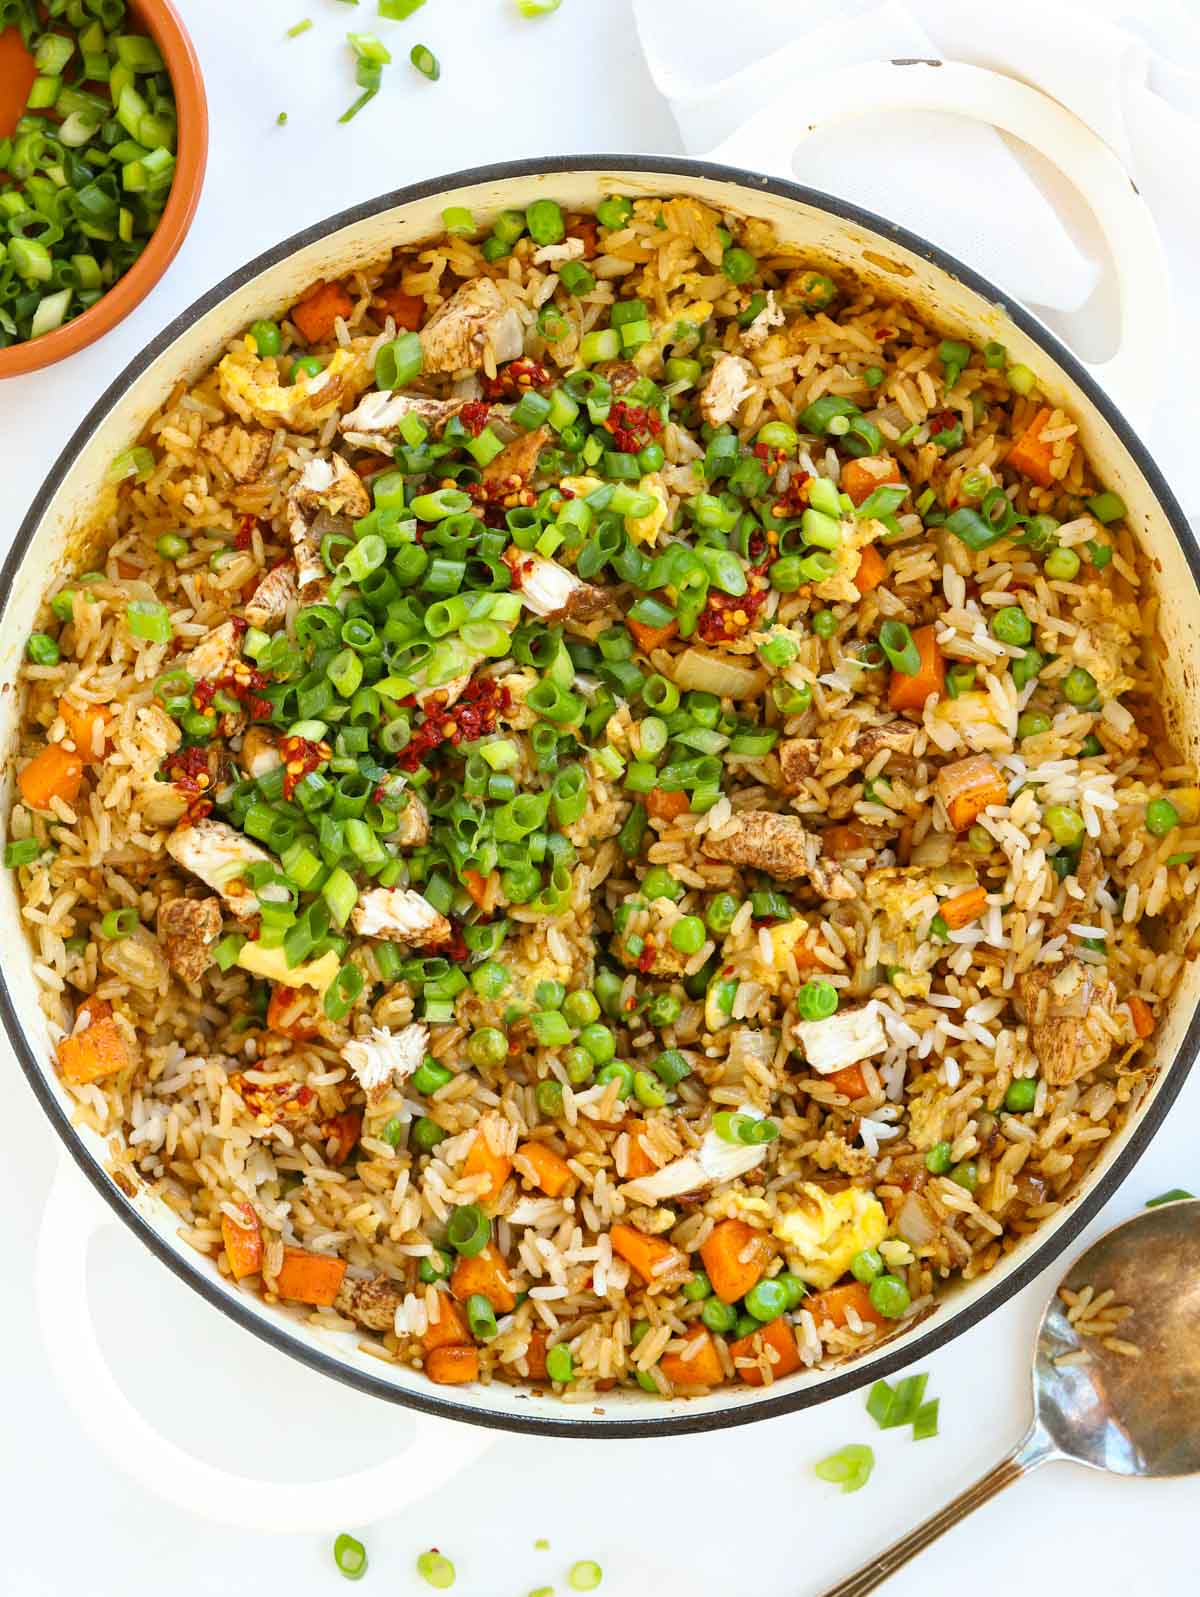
475 325
898 736
445 693
620 375
516 461
550 590
253 389
843 1039
386 1059
242 453
375 421
188 927
713 1162
412 829
218 855
259 752
798 758
268 605
726 390
327 488
780 845
553 254
399 915
759 329
372 1302
215 653
1063 1005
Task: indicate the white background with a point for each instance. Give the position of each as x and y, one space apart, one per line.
737 1512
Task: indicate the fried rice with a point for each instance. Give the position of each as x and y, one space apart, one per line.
485 872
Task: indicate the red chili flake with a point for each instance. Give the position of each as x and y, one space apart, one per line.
240 626
474 417
245 532
632 426
300 756
202 695
261 709
516 378
882 334
283 1101
728 615
646 958
473 716
793 501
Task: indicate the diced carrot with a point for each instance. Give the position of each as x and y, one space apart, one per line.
481 1160
535 1356
963 908
731 1275
1141 1015
860 482
967 787
832 1305
453 1366
778 1338
637 1161
701 1368
243 1242
486 1274
483 889
449 1329
54 773
406 310
1029 455
849 1080
910 692
343 1131
306 1277
290 1015
872 570
127 569
585 229
315 315
371 465
665 805
552 1173
651 1257
647 637
98 1050
839 841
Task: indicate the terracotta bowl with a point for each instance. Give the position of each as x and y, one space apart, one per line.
161 21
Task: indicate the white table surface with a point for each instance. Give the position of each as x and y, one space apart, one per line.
736 1512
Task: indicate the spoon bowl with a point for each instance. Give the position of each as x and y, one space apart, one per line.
1116 1372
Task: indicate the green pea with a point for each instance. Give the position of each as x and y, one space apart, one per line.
659 883
436 1266
980 839
549 1097
41 648
607 987
867 1265
581 1008
598 1041
1027 666
1032 723
738 265
687 934
426 1134
721 912
487 1046
172 547
560 1366
939 929
1062 565
1012 625
1021 1095
1161 817
549 995
392 1132
267 338
638 1332
793 1286
648 1090
813 290
1079 686
937 1160
746 1326
697 1288
718 1316
579 1065
618 1070
664 1010
965 1175
778 435
889 1296
824 623
1064 824
766 1300
430 1077
652 457
490 980
306 366
1091 748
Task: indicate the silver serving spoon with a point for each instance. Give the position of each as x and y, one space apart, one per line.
1132 1416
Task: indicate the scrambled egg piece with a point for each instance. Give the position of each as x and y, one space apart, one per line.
271 963
855 537
826 1229
645 529
254 390
974 716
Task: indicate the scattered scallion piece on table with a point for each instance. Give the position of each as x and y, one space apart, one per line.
850 1467
1175 1195
298 28
537 8
350 1556
585 1575
436 1569
398 10
426 63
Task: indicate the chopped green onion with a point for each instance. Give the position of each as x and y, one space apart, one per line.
298 28
850 1467
350 1556
586 1575
436 1570
425 62
118 924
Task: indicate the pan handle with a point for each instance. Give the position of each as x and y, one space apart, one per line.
436 1450
768 141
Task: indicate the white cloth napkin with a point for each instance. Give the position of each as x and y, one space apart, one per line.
1130 69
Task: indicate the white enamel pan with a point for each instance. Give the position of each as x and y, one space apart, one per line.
846 239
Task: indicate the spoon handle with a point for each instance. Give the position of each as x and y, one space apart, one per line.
1035 1449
